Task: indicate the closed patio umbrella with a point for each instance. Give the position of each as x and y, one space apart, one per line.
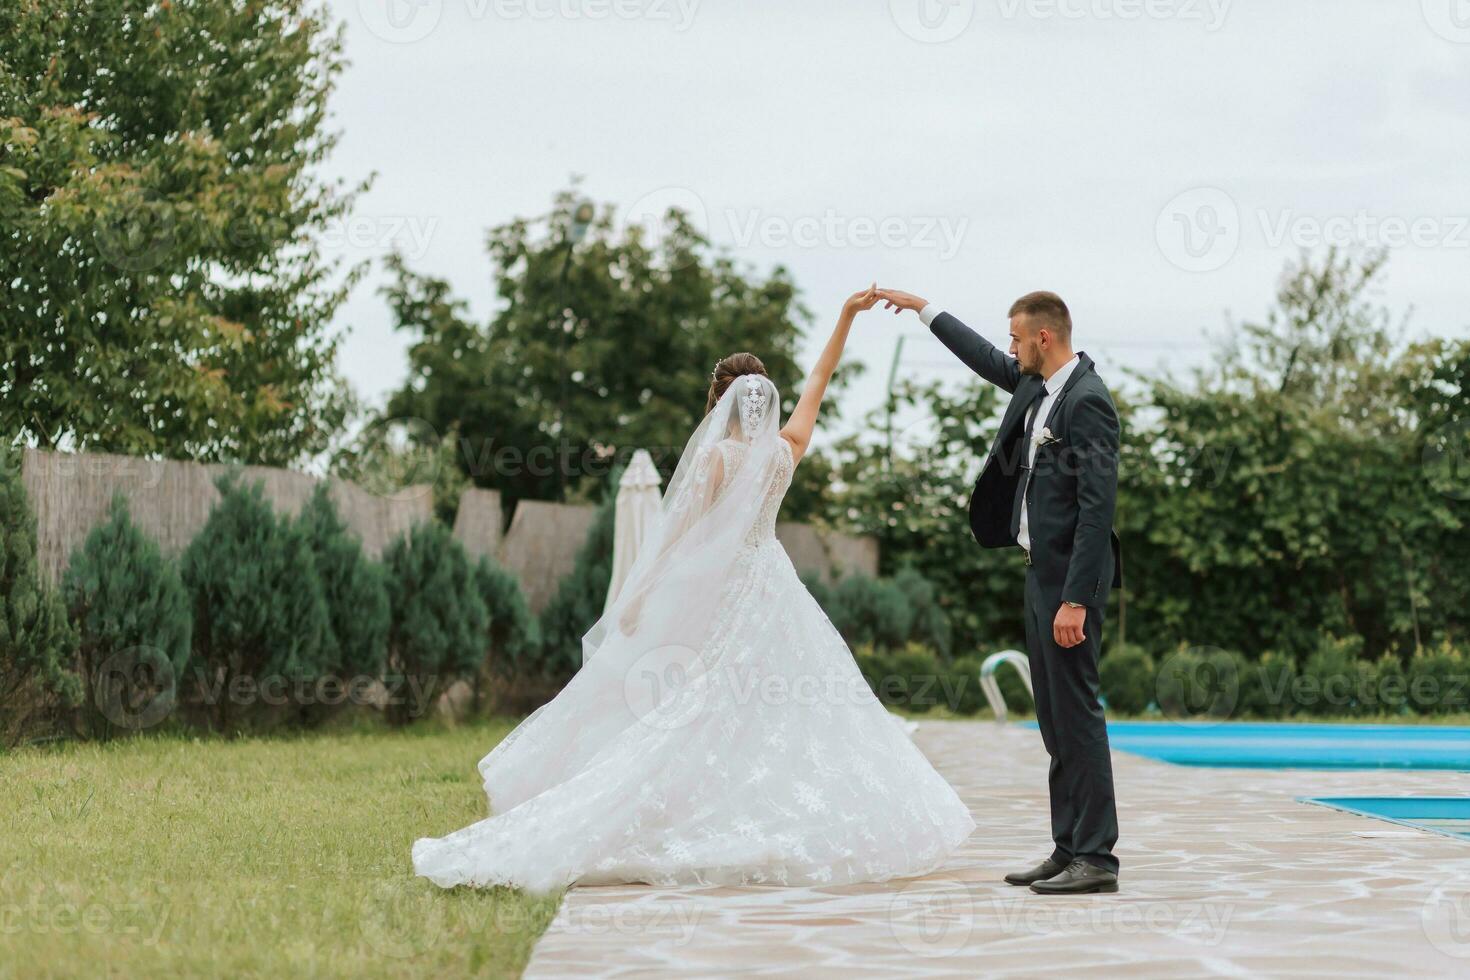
634 515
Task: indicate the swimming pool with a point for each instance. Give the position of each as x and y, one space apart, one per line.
1286 746
1448 815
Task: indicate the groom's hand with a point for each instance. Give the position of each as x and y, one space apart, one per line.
1067 628
898 301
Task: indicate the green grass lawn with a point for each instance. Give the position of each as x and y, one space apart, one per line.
170 856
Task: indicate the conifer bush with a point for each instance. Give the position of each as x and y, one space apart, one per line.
259 612
355 643
438 625
131 612
37 644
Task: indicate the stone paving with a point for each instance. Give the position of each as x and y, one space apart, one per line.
1224 874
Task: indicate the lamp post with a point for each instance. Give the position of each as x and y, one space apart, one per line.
582 216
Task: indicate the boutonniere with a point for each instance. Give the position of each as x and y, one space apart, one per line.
1047 438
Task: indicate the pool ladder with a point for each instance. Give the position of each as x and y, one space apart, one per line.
991 686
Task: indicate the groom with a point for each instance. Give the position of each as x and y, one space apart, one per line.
1049 485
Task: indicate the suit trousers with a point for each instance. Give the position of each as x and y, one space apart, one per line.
1084 819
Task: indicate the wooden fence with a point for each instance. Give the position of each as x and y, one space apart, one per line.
70 494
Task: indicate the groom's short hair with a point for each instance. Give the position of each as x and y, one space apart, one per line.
1047 310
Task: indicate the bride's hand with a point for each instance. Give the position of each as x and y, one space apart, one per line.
861 302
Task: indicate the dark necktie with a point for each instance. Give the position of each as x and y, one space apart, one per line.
1028 423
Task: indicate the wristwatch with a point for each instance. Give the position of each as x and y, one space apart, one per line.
1074 605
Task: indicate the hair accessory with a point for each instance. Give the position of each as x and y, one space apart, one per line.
752 406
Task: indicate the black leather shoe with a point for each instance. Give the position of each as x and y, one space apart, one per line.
1078 878
1046 869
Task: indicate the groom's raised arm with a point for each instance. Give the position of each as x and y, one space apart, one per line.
977 353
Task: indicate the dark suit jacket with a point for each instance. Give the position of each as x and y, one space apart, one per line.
1073 490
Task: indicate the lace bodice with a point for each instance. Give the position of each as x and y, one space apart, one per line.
732 456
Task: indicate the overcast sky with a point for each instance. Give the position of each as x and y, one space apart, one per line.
1157 162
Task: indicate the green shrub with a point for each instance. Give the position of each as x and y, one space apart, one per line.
578 602
871 612
259 613
969 699
929 625
1200 682
131 612
355 589
36 641
513 632
1439 681
1269 687
914 678
438 623
1335 681
1129 679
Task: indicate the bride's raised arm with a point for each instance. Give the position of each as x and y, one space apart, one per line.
803 420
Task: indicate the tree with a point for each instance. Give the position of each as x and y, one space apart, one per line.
161 288
915 501
355 589
598 349
36 642
131 611
439 630
1284 493
259 612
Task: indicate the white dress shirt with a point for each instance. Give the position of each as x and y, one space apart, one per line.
1054 385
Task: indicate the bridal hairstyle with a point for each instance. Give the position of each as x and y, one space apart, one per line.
727 370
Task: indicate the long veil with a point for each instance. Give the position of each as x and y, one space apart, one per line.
668 603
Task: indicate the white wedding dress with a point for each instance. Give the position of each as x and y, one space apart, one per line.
719 731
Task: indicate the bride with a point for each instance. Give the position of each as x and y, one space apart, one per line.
719 731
